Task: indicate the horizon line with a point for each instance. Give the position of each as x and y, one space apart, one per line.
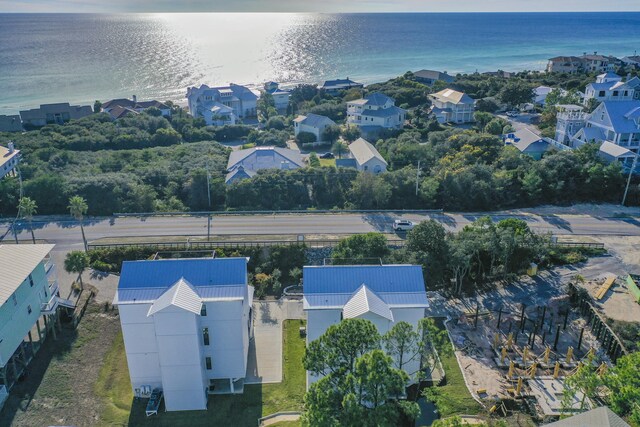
316 12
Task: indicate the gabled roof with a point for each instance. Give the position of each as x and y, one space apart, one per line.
609 76
527 141
378 99
363 151
270 157
363 301
383 112
314 120
239 173
633 82
621 114
117 112
615 150
333 286
181 295
599 417
16 263
450 95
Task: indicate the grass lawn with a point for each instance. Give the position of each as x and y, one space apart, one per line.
455 398
237 410
327 162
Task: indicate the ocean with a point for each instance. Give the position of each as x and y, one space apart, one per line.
83 57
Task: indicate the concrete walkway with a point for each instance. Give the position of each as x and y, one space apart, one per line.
265 349
105 284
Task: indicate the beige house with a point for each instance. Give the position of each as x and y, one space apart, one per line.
451 106
367 158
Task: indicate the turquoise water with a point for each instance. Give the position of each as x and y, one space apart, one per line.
80 58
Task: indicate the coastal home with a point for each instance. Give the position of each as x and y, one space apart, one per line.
312 123
9 158
614 121
117 107
280 96
598 63
565 64
54 114
633 60
429 77
29 302
601 417
222 105
610 87
569 120
244 164
374 112
10 123
528 142
610 152
451 106
383 294
367 158
186 325
500 73
334 87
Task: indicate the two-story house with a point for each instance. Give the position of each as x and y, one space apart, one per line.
222 105
429 77
312 123
374 112
280 96
610 87
186 325
116 107
451 106
383 294
334 87
59 113
29 304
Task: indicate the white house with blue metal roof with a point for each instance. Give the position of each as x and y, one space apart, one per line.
610 87
383 294
375 111
186 325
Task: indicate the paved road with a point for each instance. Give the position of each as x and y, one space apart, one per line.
66 233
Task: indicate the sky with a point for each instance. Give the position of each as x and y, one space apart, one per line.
172 6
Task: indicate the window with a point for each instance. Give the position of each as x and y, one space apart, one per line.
29 309
203 310
30 281
14 299
207 363
205 336
626 93
615 93
601 93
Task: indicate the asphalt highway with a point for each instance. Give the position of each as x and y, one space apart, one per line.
66 233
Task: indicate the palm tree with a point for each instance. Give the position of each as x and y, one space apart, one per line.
26 209
78 208
76 262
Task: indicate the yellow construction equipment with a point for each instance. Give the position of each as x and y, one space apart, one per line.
503 354
569 354
601 292
556 370
481 391
493 409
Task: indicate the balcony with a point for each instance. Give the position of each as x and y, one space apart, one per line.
53 287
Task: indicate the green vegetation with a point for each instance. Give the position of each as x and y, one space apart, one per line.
113 385
453 397
76 262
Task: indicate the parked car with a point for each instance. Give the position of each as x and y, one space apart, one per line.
513 113
327 156
402 225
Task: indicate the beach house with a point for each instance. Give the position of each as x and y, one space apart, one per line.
53 114
610 87
186 325
312 123
334 87
528 142
222 105
429 77
117 107
9 158
11 123
280 96
246 163
366 157
451 106
374 112
383 294
29 302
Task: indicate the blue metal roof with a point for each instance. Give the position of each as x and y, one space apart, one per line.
348 278
197 271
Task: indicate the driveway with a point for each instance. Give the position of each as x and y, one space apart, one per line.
265 348
522 121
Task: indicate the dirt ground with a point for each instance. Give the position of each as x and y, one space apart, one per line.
59 386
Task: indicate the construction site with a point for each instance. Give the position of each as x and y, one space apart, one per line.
515 354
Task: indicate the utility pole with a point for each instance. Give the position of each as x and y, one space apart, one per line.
417 177
633 167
